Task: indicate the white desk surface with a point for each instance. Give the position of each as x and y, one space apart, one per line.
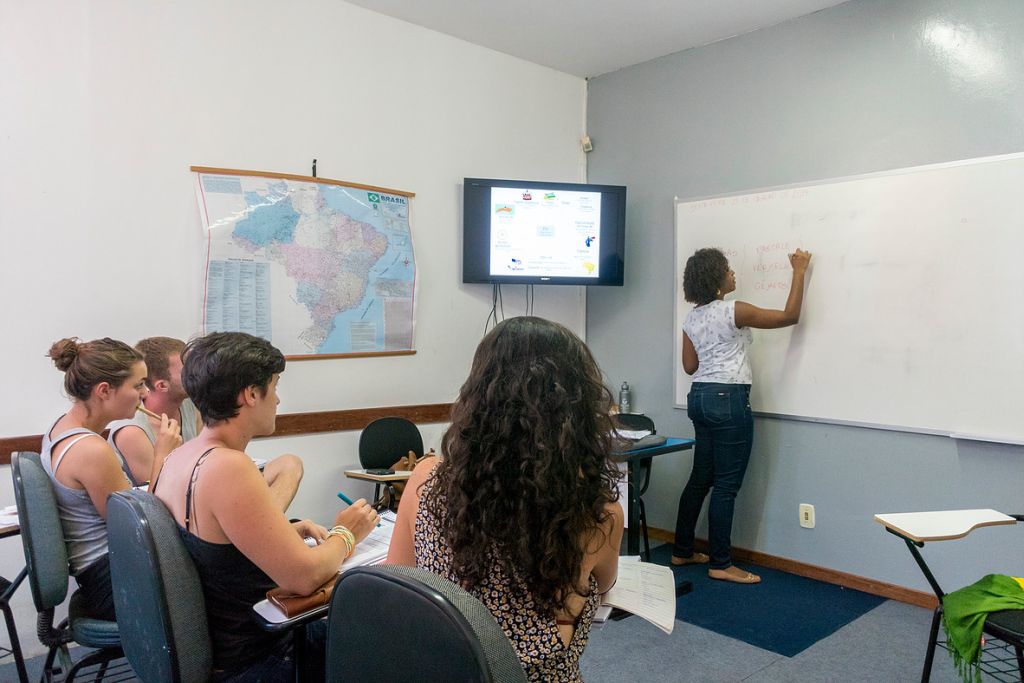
399 475
943 525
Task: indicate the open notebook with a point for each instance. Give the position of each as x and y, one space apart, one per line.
371 550
647 590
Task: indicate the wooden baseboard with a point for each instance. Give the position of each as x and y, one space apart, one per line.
811 571
291 424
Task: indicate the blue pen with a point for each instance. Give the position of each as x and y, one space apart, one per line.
348 500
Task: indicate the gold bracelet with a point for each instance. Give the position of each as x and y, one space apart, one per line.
345 535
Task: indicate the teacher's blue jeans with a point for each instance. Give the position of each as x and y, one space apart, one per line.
724 429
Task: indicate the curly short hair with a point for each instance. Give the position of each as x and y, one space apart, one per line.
703 276
215 368
526 475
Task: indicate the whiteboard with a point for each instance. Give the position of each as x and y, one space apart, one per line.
913 312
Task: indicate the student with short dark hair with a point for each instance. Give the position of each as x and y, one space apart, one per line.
522 509
135 439
105 380
227 516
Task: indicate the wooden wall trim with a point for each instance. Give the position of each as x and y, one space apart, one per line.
291 424
811 571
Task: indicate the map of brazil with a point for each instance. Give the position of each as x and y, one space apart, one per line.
317 267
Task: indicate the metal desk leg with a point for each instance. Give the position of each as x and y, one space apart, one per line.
933 635
632 510
12 631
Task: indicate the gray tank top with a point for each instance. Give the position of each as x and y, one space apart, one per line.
189 415
85 532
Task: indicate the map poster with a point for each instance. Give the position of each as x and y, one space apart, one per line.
317 267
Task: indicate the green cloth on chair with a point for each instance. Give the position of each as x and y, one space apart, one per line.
964 613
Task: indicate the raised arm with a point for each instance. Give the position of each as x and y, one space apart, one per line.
748 315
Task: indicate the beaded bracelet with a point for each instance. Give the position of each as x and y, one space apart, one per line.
346 535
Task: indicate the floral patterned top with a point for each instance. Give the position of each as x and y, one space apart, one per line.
721 346
534 636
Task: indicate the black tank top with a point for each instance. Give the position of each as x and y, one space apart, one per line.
232 584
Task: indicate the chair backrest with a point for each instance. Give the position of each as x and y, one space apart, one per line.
398 624
385 440
42 536
633 422
157 595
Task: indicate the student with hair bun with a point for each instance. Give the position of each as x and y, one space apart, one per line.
105 380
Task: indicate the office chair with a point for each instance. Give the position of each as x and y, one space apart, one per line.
157 593
637 423
401 624
46 561
384 442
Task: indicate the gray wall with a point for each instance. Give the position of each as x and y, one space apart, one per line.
866 86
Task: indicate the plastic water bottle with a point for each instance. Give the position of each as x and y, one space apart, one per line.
625 399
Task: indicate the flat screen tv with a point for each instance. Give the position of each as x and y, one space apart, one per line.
539 233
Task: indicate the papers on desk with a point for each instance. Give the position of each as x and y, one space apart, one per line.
632 434
646 590
371 550
9 515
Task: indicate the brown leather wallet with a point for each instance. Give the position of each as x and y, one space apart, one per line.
293 605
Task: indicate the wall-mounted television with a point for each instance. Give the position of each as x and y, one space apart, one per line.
539 233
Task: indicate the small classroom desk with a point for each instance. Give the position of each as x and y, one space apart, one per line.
7 589
918 528
399 475
634 460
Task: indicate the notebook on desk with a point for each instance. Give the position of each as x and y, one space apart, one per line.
626 440
371 550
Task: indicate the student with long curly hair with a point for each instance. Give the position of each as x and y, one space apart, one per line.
522 508
716 336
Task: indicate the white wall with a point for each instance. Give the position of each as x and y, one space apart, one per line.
104 105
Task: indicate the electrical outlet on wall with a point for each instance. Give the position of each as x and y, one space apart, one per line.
807 515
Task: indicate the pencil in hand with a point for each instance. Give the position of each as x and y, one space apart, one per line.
147 411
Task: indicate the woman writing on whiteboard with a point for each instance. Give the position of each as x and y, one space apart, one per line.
716 336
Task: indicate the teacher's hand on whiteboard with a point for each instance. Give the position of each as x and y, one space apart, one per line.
800 259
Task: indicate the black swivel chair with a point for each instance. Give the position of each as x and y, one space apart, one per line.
639 423
406 625
384 442
157 593
46 561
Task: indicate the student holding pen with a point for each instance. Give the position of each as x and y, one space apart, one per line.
241 542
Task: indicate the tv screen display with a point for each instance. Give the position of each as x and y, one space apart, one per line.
529 232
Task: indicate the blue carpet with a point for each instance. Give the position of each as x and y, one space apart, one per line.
784 613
